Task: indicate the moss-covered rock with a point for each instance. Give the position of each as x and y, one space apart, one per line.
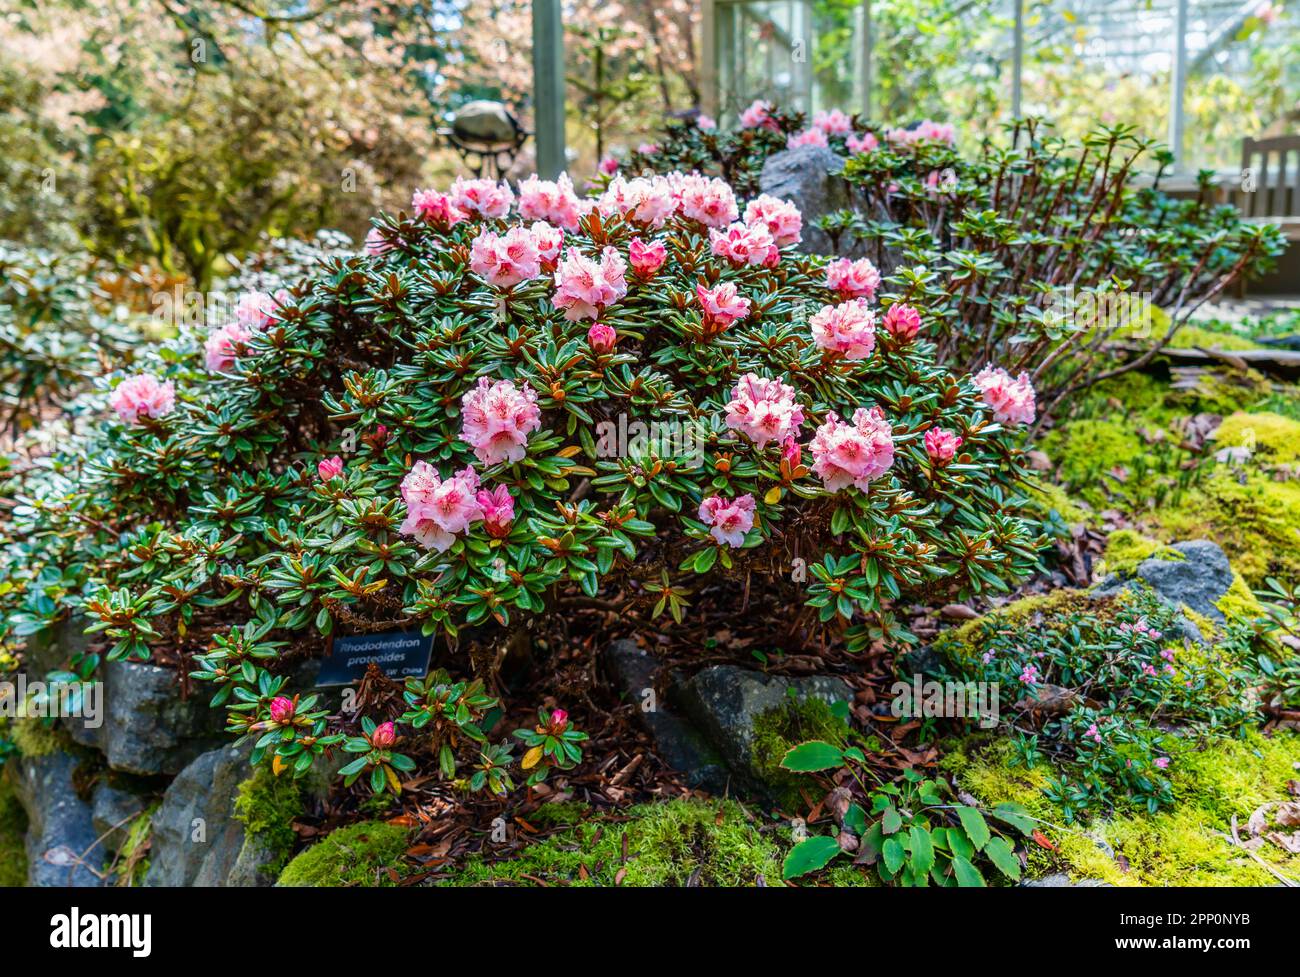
267 806
13 829
777 731
354 855
1127 548
1270 436
667 845
1187 845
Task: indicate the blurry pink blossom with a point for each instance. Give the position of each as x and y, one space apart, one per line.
142 396
1012 401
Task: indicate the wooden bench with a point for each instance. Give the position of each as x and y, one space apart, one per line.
1275 166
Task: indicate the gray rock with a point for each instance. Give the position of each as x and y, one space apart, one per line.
196 839
677 742
113 810
53 649
1202 577
725 700
147 728
62 846
808 177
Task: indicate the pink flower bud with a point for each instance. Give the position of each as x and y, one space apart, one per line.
602 338
282 709
559 721
498 510
646 259
609 165
902 322
383 737
791 452
941 445
330 468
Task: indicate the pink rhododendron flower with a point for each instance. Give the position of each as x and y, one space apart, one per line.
707 200
758 114
649 200
584 288
745 244
437 208
832 123
646 259
608 165
553 202
330 468
384 736
939 183
852 454
221 348
437 510
1092 730
496 419
505 260
142 396
791 452
902 322
256 310
781 218
728 519
487 198
853 279
763 410
706 122
602 338
809 137
647 148
498 510
558 721
1162 762
865 143
722 305
941 445
1012 401
375 242
936 132
1029 674
282 709
548 241
848 328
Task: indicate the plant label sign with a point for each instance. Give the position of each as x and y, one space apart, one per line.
399 655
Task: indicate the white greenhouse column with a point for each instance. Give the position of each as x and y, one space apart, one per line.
548 88
1017 58
1178 85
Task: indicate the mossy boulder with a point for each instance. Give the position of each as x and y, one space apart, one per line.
681 842
13 830
356 855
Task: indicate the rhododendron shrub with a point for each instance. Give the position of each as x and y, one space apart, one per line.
435 435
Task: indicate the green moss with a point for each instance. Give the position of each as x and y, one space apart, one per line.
1240 605
778 730
667 845
349 856
36 737
1196 337
1222 392
1052 497
267 805
964 643
1256 521
13 831
1274 437
1126 549
1087 451
1184 845
560 812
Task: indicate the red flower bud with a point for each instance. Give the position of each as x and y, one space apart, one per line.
383 737
559 721
282 709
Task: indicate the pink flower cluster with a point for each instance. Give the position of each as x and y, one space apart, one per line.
865 143
256 310
764 410
142 396
437 208
782 218
723 305
329 468
832 123
705 199
498 510
853 279
852 454
848 329
902 322
486 198
809 137
505 260
584 288
941 445
926 131
728 519
552 201
223 345
646 259
1012 401
496 419
745 244
650 200
437 510
758 114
